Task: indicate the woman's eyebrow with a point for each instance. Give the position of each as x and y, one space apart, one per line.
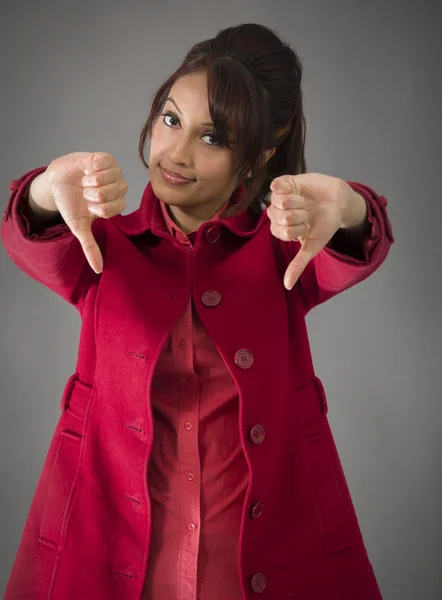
172 100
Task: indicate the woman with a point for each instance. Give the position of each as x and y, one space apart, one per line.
193 458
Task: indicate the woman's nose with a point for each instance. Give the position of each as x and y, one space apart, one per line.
181 152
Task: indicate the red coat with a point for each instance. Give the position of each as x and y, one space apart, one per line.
88 530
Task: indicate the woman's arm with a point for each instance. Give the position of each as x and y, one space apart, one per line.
38 241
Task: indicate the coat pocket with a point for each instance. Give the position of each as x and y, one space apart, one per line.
68 439
327 478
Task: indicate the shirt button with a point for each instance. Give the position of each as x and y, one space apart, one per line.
188 426
258 583
190 476
182 345
213 234
191 526
211 298
257 509
244 359
186 381
257 434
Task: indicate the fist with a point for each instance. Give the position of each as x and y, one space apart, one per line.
309 208
85 186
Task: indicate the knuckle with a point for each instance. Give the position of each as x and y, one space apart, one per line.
102 160
105 209
103 155
87 243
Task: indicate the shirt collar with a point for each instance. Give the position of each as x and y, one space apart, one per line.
173 228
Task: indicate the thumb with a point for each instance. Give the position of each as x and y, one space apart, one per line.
309 249
90 248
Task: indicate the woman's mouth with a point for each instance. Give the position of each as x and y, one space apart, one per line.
173 178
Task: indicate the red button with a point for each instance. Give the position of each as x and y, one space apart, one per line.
188 426
213 234
257 434
244 359
190 476
15 184
258 583
191 527
211 298
186 381
182 345
257 509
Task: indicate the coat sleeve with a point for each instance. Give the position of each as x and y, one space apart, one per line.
337 268
50 254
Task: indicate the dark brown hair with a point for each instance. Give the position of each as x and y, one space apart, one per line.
254 90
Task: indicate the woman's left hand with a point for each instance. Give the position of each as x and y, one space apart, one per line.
311 207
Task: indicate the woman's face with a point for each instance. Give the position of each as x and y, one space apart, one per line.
183 141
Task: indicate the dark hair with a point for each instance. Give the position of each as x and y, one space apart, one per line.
254 90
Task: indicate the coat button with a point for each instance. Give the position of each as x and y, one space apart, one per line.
15 184
211 298
213 234
257 434
244 359
258 583
257 509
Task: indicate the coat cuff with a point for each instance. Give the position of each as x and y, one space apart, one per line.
17 209
379 229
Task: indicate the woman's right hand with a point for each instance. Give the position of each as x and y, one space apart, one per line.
68 176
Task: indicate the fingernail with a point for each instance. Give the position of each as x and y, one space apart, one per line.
281 186
96 210
91 194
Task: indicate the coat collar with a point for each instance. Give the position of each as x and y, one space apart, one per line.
150 216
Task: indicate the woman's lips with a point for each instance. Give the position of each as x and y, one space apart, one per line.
171 178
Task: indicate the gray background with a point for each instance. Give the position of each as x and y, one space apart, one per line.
79 76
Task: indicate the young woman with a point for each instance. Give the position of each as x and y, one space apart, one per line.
193 457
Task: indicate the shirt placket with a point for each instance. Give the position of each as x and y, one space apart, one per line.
188 454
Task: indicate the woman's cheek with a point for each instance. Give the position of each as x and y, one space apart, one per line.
216 169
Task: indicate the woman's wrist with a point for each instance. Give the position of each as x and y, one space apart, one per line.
40 199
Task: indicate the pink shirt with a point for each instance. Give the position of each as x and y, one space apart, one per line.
198 473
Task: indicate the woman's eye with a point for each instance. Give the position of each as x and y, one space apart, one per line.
169 115
210 135
213 138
